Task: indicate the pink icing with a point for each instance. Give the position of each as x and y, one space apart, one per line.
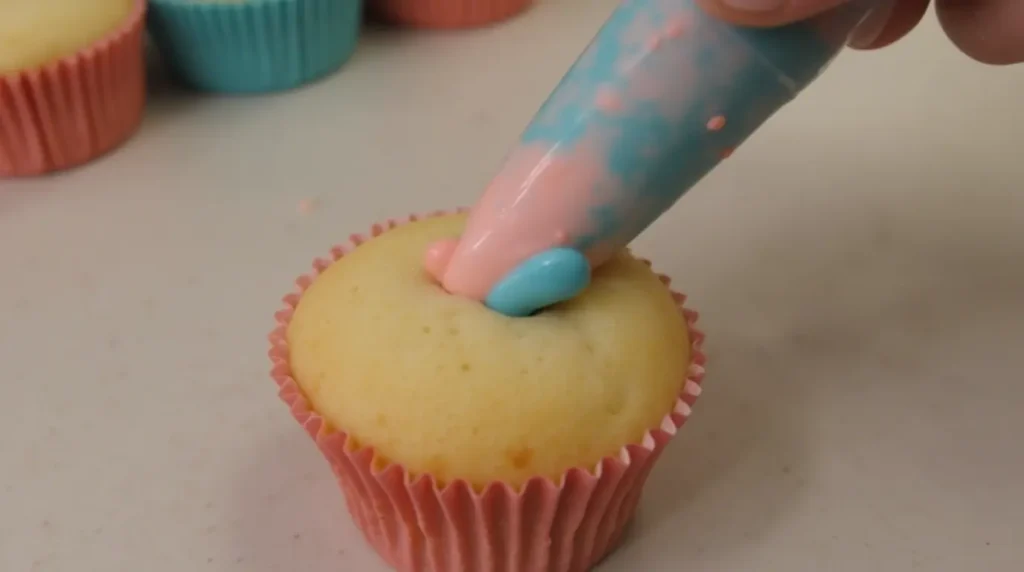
438 256
716 123
609 101
535 203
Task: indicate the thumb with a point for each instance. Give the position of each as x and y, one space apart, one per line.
990 31
766 13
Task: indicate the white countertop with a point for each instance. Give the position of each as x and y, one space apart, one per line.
859 265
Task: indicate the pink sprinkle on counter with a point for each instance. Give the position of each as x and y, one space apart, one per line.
306 206
716 123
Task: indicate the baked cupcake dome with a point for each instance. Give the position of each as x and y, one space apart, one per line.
251 46
72 81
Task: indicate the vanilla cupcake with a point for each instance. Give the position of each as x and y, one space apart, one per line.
467 440
249 46
72 81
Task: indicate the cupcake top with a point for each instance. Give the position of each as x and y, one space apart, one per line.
444 386
37 32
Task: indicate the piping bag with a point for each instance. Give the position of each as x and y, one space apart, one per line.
663 93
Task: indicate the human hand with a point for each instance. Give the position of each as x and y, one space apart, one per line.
990 31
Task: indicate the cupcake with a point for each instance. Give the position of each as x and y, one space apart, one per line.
447 13
72 81
251 46
463 439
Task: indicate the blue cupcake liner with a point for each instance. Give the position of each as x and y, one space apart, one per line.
251 46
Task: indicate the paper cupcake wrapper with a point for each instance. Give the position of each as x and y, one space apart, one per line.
75 109
254 46
447 13
416 525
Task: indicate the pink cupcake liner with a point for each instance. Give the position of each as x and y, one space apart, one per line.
73 110
417 525
447 13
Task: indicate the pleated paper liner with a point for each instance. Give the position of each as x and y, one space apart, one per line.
447 13
75 109
252 46
543 526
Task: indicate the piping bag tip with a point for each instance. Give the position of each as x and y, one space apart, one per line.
546 278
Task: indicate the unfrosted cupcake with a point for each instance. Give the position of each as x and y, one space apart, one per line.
468 440
448 13
247 46
72 81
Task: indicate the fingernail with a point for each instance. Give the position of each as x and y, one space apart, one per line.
873 25
755 5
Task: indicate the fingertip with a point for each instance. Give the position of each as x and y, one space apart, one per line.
896 20
989 31
766 13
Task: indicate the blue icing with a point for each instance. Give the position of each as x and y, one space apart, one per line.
593 70
547 278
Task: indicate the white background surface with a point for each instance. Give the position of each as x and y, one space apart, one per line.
859 265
